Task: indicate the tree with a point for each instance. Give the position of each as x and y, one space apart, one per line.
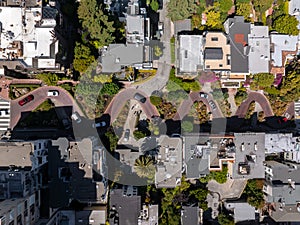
144 167
157 51
254 193
110 89
263 79
224 219
93 19
155 100
112 140
225 5
103 78
240 96
187 126
243 9
154 5
213 18
286 24
262 6
138 134
181 9
48 78
83 58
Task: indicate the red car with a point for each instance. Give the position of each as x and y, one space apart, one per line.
29 98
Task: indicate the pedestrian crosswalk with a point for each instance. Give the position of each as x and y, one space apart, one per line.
297 108
4 115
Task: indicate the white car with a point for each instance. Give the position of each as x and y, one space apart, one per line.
52 93
75 116
100 124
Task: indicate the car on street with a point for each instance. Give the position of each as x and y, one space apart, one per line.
126 135
100 124
52 93
287 115
203 95
29 98
75 116
140 97
212 105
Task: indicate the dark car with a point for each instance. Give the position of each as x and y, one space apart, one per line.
212 105
29 98
140 98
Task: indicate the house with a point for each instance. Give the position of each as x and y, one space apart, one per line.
20 210
249 156
242 211
116 57
283 47
149 215
135 29
294 10
28 35
191 215
282 191
189 55
169 162
78 171
238 31
120 212
259 54
196 156
216 52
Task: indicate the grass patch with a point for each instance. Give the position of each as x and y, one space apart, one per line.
18 90
172 46
43 116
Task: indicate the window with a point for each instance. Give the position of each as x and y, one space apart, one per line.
40 145
185 54
207 66
214 39
220 65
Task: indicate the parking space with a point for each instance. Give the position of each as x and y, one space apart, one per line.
4 115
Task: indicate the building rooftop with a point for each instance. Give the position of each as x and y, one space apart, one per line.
196 156
242 211
280 43
278 142
190 215
249 156
118 56
16 153
217 51
238 32
190 54
259 55
169 162
135 28
294 9
287 213
182 25
283 172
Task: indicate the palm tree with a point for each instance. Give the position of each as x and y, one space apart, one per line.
144 167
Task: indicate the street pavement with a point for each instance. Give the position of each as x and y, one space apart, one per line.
40 95
259 98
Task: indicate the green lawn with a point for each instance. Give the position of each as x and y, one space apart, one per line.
172 45
29 87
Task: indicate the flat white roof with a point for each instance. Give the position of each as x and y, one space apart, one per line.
282 42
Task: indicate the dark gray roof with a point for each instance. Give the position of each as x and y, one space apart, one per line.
190 215
195 167
213 53
238 36
49 12
128 208
182 25
283 172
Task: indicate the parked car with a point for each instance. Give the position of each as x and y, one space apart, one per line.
100 124
287 115
52 93
203 95
212 105
29 98
75 116
140 98
126 135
